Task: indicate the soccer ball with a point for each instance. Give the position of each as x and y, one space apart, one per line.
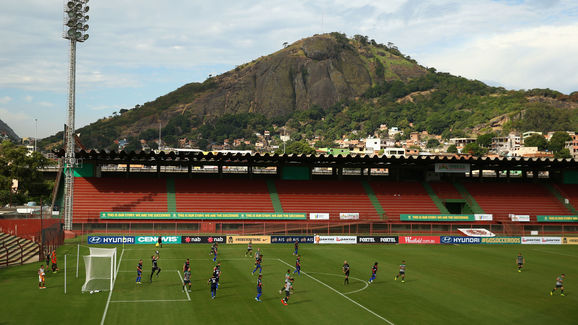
157 252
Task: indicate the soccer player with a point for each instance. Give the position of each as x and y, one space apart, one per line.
298 265
520 260
296 252
186 266
287 288
258 265
346 272
259 289
214 249
54 264
401 272
288 279
41 277
217 273
139 272
373 272
156 267
213 284
187 279
249 248
559 285
160 242
258 253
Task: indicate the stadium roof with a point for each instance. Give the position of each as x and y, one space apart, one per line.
173 158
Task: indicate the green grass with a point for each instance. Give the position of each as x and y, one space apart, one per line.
445 285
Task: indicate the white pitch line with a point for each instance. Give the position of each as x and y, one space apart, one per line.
341 294
183 283
350 292
168 300
195 259
110 292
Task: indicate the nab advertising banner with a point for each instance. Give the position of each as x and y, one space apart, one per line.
419 240
291 239
377 239
460 240
96 240
154 239
203 239
335 239
501 240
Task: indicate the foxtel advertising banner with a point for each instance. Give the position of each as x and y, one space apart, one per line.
542 240
203 239
437 217
247 239
291 239
335 239
377 239
501 240
96 240
419 240
155 239
557 218
460 240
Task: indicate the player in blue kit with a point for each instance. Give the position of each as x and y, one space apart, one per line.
296 252
258 265
139 272
214 249
298 265
186 266
213 283
373 273
259 289
217 273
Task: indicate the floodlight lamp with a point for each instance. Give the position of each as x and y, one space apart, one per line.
85 1
85 28
78 16
79 26
78 35
70 4
86 18
78 7
71 14
71 32
85 37
86 8
71 23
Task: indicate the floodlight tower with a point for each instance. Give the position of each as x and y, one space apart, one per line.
75 21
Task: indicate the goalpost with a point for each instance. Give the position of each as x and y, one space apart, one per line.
100 269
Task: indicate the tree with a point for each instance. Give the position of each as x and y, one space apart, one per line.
452 149
474 149
485 140
536 140
16 163
432 143
558 141
298 148
564 153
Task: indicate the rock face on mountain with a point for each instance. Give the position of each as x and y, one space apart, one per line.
5 130
321 70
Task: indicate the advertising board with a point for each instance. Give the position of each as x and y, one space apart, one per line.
460 240
349 216
437 217
154 239
501 240
97 240
335 239
204 215
426 240
557 218
291 239
318 216
570 240
203 239
247 239
476 232
377 239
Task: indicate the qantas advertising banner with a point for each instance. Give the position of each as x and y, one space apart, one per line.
335 239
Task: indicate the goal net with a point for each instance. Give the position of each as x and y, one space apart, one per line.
100 271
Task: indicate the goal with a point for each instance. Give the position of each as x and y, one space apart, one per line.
100 269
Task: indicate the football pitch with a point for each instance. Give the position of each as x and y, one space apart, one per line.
445 284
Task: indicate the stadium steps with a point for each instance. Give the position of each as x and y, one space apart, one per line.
171 197
476 208
274 196
373 198
563 192
403 198
435 198
11 250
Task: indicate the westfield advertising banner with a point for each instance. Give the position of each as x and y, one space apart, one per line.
424 240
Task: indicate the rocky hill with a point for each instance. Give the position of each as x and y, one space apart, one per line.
6 131
325 86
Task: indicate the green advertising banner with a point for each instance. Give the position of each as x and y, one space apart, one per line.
437 217
557 218
204 215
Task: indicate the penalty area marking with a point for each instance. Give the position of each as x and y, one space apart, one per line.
341 294
350 292
166 300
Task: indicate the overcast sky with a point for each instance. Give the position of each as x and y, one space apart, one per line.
139 50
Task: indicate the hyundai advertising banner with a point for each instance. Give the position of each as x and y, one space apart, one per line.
460 240
97 240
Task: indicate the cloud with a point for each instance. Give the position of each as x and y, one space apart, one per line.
5 99
9 116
